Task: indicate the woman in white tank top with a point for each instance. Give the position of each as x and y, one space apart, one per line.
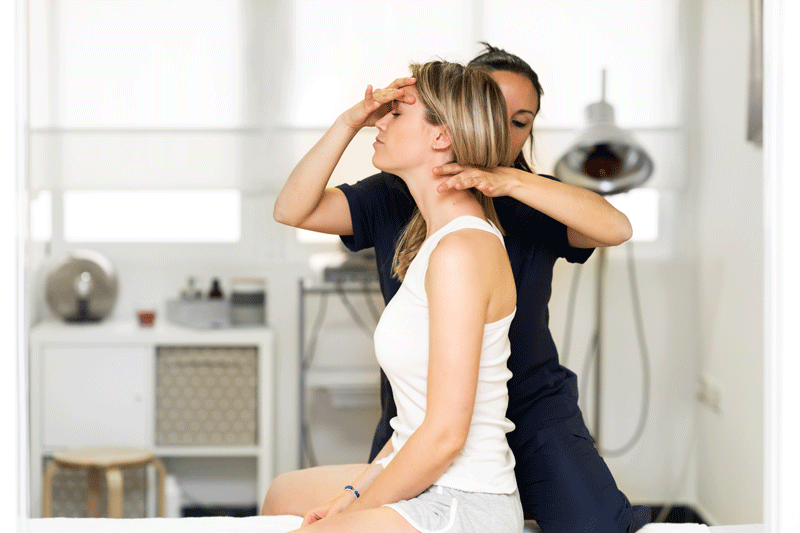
443 338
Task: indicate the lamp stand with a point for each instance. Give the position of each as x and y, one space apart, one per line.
598 344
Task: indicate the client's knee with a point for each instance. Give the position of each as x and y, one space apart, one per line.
279 500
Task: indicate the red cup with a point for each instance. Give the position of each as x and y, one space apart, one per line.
146 318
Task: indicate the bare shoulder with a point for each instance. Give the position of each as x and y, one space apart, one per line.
475 260
467 252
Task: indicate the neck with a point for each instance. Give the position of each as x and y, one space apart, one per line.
438 209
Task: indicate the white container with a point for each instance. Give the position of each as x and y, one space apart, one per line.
200 314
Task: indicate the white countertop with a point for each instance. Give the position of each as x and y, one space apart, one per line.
124 331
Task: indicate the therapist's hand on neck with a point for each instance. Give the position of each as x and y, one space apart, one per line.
500 181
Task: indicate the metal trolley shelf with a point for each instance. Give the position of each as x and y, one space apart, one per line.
360 378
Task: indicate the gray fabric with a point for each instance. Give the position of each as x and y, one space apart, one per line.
446 510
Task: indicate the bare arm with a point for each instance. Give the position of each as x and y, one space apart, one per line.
590 219
304 201
458 288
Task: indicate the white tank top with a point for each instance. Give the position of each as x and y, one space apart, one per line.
486 463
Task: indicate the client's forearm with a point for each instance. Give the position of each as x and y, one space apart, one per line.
420 462
366 479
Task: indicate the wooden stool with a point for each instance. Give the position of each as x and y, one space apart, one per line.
108 459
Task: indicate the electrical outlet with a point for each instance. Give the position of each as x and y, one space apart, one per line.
709 393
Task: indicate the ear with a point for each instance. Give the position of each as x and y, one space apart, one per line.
442 139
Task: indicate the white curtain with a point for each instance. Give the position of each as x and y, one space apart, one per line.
140 94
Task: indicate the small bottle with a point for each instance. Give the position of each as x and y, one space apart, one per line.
216 291
191 292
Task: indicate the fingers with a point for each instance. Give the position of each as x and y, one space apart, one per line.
465 179
396 91
370 103
448 169
459 178
313 516
388 94
402 82
376 103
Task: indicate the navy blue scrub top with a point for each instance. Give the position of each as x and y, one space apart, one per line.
380 207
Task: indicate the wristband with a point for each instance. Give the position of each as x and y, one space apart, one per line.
354 491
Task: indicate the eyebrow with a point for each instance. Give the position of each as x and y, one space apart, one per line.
525 111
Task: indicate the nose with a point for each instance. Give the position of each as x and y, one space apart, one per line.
382 122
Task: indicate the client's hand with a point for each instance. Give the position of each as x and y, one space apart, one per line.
377 103
497 182
332 508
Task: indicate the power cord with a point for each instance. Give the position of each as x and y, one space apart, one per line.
594 347
308 357
573 293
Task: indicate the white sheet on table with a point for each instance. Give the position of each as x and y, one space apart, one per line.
269 524
699 528
675 528
209 524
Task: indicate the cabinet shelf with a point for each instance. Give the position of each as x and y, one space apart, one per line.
207 451
343 378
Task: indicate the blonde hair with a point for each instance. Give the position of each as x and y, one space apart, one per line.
468 102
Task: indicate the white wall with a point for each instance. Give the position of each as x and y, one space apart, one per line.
13 395
781 283
729 177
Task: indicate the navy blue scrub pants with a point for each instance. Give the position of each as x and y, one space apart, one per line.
563 481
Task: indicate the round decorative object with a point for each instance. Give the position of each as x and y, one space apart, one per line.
82 287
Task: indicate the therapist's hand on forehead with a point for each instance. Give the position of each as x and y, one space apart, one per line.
377 103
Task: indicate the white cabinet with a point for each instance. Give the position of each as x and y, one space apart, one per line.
96 384
96 396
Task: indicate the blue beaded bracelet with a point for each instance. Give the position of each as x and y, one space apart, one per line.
354 491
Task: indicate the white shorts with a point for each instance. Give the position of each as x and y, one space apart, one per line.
446 510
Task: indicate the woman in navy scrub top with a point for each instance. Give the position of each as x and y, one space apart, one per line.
564 483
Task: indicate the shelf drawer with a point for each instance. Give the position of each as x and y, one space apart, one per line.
206 396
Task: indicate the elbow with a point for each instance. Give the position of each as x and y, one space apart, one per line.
284 216
626 230
621 232
448 441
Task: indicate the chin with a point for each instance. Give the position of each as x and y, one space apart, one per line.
380 165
